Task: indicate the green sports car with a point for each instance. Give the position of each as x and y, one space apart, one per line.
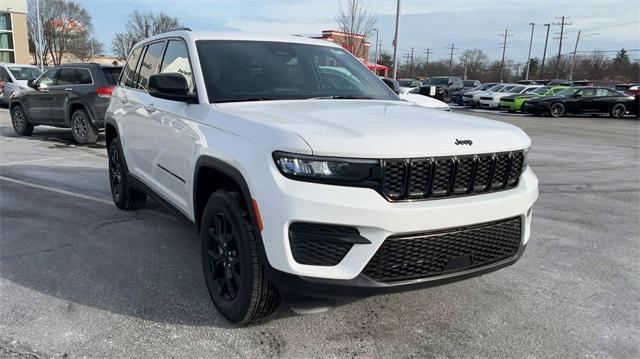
514 103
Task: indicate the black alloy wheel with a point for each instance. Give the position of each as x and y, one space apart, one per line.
618 110
123 194
222 251
556 110
19 121
82 129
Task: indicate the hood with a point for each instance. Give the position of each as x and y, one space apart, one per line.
21 83
424 101
380 129
525 96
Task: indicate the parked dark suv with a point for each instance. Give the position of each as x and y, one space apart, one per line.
441 87
72 96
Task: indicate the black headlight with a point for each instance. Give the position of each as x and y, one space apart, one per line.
327 169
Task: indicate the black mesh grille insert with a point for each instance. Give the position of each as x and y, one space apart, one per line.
394 178
424 178
424 255
313 244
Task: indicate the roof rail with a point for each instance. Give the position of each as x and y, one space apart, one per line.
178 29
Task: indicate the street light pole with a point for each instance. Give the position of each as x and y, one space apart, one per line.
39 39
529 56
375 61
395 42
544 54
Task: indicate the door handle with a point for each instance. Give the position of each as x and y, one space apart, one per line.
150 108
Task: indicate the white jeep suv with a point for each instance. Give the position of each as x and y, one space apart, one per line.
305 174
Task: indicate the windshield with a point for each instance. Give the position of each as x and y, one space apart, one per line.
495 88
258 70
541 90
406 83
469 83
24 73
515 89
567 92
437 81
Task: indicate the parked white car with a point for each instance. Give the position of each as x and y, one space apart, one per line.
491 100
309 182
471 98
14 77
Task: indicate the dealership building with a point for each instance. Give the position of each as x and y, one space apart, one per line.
14 43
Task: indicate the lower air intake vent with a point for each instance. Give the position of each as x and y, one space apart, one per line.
423 255
321 244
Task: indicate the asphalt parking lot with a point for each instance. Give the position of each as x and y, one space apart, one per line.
79 278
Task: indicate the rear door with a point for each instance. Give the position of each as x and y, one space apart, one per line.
604 100
61 92
37 102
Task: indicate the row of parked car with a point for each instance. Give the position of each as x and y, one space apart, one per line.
554 98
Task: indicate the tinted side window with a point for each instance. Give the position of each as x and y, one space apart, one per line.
83 77
129 71
588 93
150 63
603 93
176 59
111 74
48 78
66 77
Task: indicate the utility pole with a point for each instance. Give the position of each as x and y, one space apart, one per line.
426 65
529 56
451 47
466 58
411 68
544 54
39 39
562 25
517 71
573 59
504 49
395 42
375 61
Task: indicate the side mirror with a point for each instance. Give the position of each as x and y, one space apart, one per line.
32 83
171 86
393 85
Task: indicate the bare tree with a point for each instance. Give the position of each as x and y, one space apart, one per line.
84 48
355 18
140 26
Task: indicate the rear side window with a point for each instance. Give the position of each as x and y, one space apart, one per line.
150 63
66 77
129 71
4 75
111 74
176 59
83 77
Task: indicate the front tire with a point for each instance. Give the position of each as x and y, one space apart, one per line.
123 194
556 110
82 129
231 261
21 125
618 110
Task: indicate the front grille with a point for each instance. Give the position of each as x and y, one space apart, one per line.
486 98
315 244
423 255
429 178
467 96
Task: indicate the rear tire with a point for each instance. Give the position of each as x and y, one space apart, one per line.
124 195
20 123
618 110
82 129
231 261
556 110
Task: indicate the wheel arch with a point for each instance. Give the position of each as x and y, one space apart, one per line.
75 106
212 174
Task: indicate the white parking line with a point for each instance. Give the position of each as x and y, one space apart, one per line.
44 160
56 190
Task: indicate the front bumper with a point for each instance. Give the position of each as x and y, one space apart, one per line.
492 104
533 108
508 106
283 201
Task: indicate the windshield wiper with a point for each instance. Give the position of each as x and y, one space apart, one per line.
244 99
346 97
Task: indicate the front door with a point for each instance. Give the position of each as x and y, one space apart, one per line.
38 101
585 102
60 94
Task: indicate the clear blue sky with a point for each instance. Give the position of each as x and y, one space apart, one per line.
424 24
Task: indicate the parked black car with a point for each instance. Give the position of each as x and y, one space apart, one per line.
443 87
581 100
409 83
72 96
469 84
